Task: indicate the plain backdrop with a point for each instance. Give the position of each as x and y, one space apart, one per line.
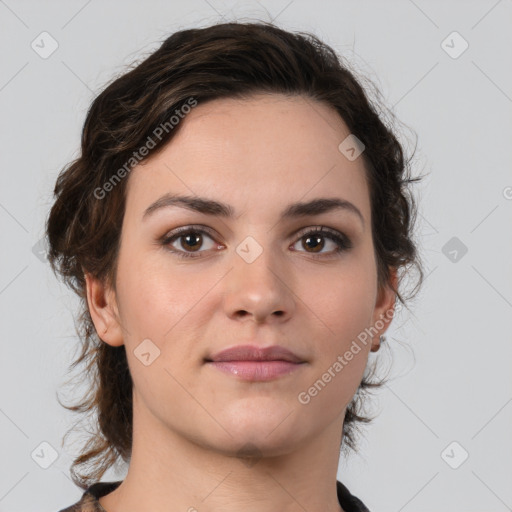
441 440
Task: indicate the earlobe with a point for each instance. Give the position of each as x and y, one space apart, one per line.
101 301
384 309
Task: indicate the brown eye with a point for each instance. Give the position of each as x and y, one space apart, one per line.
314 241
189 242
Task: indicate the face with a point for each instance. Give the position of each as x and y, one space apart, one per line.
246 274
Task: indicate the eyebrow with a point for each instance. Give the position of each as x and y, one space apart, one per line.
211 207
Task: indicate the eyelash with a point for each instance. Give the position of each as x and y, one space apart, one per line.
342 241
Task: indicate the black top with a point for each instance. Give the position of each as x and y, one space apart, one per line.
89 501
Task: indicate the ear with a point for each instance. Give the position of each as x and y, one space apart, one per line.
384 308
104 312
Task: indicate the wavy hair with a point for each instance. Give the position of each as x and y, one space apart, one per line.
227 60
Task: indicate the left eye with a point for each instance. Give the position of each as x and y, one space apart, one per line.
314 239
191 241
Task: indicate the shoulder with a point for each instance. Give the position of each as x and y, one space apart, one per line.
87 503
89 500
348 501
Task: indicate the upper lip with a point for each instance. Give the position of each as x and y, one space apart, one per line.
254 353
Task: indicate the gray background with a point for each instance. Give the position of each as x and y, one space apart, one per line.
451 356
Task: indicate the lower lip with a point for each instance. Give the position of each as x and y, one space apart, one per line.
256 370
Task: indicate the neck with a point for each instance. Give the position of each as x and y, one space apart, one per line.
170 472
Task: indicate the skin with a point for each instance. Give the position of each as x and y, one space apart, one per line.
190 420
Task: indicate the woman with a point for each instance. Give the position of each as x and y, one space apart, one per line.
235 227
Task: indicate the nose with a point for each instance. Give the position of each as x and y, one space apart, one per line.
260 291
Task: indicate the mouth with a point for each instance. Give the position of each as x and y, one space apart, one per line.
251 363
257 371
255 353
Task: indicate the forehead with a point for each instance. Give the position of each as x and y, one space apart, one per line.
265 150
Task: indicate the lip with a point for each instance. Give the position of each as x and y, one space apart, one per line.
252 363
254 353
257 371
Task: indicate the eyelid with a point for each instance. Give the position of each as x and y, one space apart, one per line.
343 242
185 229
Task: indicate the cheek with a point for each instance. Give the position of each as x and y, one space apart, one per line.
154 296
170 305
341 357
343 305
343 301
157 304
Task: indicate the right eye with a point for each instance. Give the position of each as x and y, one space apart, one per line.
190 239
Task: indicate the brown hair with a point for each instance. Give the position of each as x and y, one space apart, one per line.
221 61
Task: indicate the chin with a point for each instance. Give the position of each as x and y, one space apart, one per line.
255 446
272 430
